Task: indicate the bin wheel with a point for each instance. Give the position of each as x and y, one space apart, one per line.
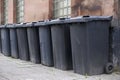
109 68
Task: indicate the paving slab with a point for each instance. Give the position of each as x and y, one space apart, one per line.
15 69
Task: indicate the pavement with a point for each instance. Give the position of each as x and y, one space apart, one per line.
15 69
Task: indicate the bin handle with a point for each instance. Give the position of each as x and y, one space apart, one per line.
62 18
86 16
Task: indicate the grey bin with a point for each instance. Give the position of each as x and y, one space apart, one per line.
33 42
90 44
0 40
116 47
5 40
45 43
13 41
61 45
22 42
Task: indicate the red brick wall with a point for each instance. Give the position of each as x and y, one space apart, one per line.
37 10
92 7
96 7
1 12
34 10
12 11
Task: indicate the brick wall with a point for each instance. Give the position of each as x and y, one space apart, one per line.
34 10
37 10
1 11
12 11
97 7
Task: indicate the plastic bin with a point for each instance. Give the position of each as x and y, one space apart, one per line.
90 44
0 41
61 45
45 43
33 40
22 42
13 41
116 47
5 39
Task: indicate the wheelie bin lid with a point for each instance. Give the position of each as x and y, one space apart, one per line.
57 21
79 19
29 24
88 18
20 25
41 23
10 25
35 24
3 26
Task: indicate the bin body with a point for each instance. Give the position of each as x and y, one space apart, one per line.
0 42
46 45
90 46
61 47
116 47
5 39
14 43
23 44
33 40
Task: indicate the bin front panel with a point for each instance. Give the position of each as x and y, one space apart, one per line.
116 47
46 46
98 46
5 39
33 40
0 42
61 47
79 47
90 47
23 44
14 43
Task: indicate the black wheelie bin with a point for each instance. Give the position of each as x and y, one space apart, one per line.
116 47
90 44
22 41
0 39
33 42
5 40
13 41
45 43
61 44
